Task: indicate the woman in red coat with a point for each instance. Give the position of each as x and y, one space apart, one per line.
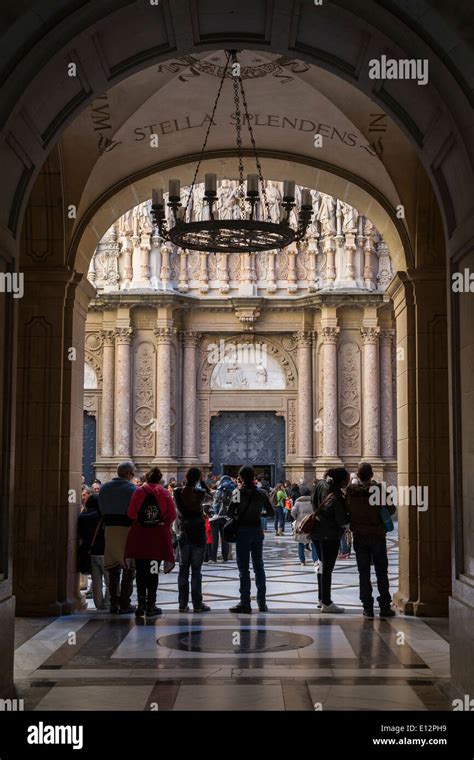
150 545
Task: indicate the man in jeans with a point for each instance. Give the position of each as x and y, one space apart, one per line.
369 539
248 505
114 499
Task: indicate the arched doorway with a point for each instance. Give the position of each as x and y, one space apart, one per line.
446 156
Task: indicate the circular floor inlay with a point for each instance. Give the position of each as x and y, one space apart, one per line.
235 641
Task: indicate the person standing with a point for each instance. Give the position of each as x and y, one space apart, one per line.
114 501
221 503
279 512
192 540
150 544
370 543
301 508
248 505
90 528
331 517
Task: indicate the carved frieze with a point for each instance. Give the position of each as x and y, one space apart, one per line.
144 400
349 370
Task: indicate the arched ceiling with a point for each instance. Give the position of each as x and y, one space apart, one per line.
364 158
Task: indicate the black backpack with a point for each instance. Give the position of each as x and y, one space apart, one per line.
149 514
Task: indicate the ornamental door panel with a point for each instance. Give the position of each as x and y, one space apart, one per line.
256 438
89 447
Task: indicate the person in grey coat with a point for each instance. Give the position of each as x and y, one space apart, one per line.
301 508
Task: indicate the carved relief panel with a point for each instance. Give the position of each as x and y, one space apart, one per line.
349 383
144 399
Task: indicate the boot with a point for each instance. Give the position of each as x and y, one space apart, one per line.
140 612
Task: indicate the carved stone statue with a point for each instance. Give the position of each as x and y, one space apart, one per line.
327 215
349 218
227 199
274 198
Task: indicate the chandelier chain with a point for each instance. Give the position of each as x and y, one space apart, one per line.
254 146
238 130
211 123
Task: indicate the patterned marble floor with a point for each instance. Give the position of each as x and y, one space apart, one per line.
290 658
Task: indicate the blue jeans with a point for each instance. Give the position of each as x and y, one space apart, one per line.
279 518
264 522
191 558
250 544
301 553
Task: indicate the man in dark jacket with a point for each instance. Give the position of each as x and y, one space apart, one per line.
114 500
248 505
364 505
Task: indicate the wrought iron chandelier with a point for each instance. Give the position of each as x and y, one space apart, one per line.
249 233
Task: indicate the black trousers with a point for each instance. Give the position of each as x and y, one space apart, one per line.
217 529
147 581
120 590
327 553
372 550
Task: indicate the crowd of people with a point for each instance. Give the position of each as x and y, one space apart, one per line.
132 528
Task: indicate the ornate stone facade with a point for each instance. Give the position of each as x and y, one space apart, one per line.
180 337
342 250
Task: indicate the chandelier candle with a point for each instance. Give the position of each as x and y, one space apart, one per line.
252 184
157 197
306 199
174 188
289 190
210 183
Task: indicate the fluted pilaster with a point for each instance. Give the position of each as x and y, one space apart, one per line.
370 396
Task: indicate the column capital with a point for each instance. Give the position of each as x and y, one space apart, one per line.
330 334
163 335
123 335
190 338
304 338
386 336
370 335
108 337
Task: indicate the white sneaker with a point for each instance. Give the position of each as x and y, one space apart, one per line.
302 564
332 608
316 567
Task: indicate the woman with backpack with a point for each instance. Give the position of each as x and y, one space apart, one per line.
301 508
330 518
149 541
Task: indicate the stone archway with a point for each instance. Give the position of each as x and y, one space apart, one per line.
444 151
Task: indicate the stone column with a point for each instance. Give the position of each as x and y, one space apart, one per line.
305 392
203 273
108 393
127 271
329 248
165 269
183 285
123 396
190 344
330 337
223 269
271 275
386 393
350 249
164 338
371 391
292 251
